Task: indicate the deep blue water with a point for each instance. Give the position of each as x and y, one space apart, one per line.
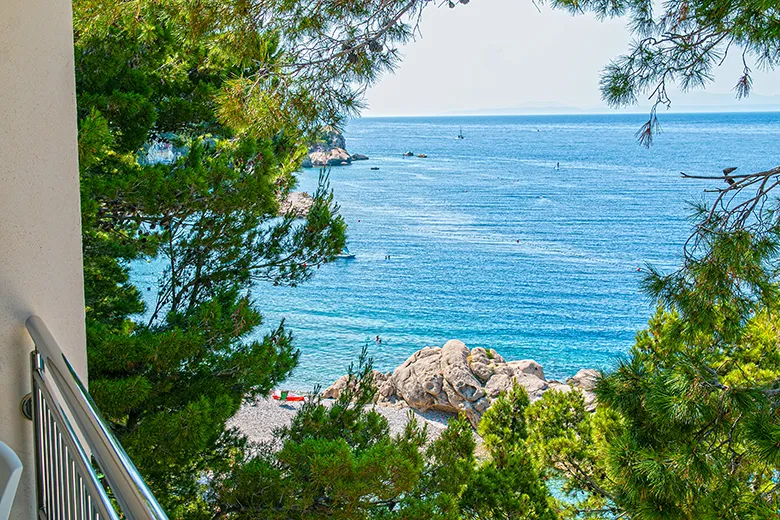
492 245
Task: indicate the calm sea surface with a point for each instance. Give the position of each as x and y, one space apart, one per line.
490 244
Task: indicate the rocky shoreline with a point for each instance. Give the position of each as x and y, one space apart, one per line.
330 149
297 202
454 379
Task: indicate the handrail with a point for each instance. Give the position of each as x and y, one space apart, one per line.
127 486
57 446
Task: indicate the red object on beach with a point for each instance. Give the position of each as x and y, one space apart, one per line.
287 396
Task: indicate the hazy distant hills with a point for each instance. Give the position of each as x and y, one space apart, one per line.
687 102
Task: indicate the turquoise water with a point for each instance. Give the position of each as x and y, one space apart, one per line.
492 245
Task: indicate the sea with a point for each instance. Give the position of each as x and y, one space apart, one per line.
531 235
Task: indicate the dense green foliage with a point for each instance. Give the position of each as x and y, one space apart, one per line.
685 428
507 485
340 461
231 90
688 426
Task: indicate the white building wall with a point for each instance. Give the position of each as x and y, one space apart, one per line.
40 238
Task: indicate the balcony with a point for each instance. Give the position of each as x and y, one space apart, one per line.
81 470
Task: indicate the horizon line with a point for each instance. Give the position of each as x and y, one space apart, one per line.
583 112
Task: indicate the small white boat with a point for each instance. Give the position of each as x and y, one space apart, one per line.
345 254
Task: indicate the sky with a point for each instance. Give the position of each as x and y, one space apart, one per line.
505 56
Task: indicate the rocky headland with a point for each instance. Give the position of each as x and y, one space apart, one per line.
454 379
330 149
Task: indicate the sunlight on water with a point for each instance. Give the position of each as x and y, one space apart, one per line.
492 245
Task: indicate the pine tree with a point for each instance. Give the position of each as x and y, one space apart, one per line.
334 461
235 89
507 486
682 43
688 425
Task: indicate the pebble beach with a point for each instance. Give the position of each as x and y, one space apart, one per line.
260 419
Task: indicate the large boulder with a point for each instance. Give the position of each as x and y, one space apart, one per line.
557 386
385 386
335 390
440 379
585 380
455 379
534 386
527 366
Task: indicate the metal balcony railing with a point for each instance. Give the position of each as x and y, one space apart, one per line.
73 442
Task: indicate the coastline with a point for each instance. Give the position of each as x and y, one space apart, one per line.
434 384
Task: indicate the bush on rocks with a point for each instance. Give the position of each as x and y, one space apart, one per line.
457 380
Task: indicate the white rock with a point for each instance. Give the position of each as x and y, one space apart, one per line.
455 379
527 366
585 379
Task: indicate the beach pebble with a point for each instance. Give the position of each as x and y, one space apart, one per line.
259 420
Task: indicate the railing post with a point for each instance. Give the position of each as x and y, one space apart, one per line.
36 363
